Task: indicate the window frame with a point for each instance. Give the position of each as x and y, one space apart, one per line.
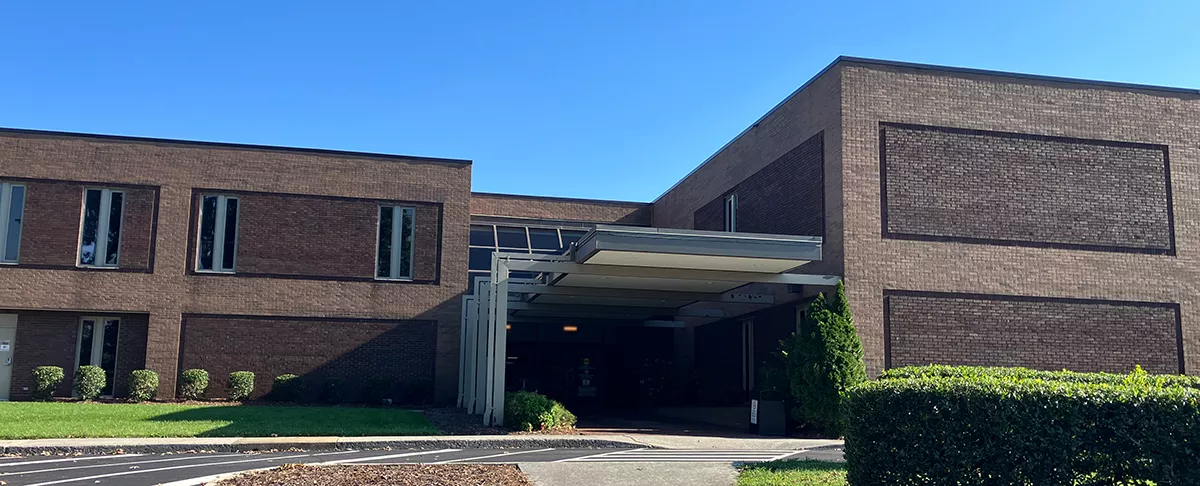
98 345
731 206
103 224
219 223
5 213
397 243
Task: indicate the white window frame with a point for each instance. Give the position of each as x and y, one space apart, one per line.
98 344
5 210
397 243
219 223
102 226
731 204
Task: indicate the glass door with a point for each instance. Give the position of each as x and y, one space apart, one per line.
98 347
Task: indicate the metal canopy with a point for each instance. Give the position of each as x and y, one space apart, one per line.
653 275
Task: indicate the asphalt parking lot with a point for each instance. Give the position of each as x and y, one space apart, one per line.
182 469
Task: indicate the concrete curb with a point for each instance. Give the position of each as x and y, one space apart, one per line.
239 444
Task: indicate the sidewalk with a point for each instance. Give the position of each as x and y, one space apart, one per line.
241 444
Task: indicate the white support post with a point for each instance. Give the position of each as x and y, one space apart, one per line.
482 302
499 349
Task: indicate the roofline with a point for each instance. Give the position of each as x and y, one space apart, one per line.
226 145
609 202
930 67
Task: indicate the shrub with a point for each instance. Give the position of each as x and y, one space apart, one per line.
824 360
192 384
377 390
419 392
286 388
524 410
241 385
333 391
45 380
89 382
942 371
143 385
984 429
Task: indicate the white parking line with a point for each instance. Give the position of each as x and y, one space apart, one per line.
572 459
379 458
116 464
506 454
785 456
144 471
7 464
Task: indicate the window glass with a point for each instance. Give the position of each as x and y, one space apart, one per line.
208 225
543 239
229 250
394 258
217 250
85 342
481 259
510 237
113 235
569 236
482 236
108 354
91 225
12 240
383 266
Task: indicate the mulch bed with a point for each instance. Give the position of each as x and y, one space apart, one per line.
403 475
456 421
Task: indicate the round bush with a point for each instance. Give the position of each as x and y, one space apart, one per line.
334 391
45 380
143 385
192 384
241 385
89 382
286 388
378 390
530 411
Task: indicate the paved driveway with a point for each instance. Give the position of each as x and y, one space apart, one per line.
181 469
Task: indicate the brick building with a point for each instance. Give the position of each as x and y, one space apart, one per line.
976 217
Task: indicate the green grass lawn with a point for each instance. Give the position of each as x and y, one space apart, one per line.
26 420
793 473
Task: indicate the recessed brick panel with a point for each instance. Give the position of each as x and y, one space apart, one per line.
353 350
325 237
52 338
1040 333
785 197
1007 188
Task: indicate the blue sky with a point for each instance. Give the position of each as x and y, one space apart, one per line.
603 99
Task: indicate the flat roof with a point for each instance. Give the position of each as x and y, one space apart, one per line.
25 132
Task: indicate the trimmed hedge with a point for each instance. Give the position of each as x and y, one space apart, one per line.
286 388
241 385
45 380
89 382
529 411
979 427
943 371
143 385
192 384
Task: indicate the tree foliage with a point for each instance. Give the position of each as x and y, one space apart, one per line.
825 358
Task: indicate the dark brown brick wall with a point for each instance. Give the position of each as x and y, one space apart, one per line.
1040 333
560 209
51 226
178 169
787 197
51 338
354 350
1024 189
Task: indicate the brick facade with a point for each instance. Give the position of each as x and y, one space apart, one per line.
1041 333
1010 188
47 338
332 278
355 351
560 209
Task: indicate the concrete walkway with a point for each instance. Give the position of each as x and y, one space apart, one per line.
618 474
237 444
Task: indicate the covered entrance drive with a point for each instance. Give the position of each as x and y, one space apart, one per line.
590 327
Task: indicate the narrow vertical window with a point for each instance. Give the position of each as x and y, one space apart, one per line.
731 213
394 254
12 209
100 237
216 250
